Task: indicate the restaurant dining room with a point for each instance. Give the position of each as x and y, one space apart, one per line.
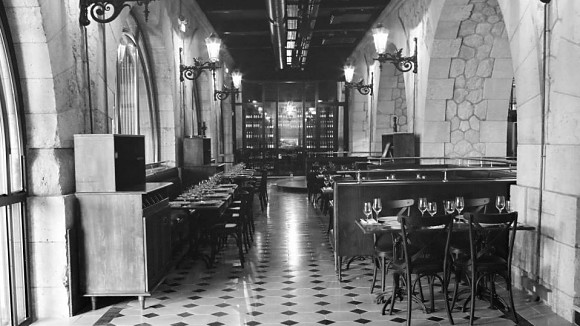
289 162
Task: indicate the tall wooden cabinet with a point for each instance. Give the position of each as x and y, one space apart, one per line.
196 151
402 144
125 222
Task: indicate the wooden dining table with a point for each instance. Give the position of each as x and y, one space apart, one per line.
204 212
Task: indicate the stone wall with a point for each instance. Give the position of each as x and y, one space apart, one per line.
469 81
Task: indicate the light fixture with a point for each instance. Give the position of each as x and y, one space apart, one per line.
226 91
105 11
360 86
213 44
182 22
403 64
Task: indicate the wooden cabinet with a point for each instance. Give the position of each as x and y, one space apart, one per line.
196 151
107 162
126 241
401 144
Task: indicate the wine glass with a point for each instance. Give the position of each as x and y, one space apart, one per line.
377 207
422 205
432 208
459 204
508 206
326 181
500 203
367 209
449 206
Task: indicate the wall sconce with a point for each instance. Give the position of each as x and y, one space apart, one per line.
226 91
403 64
360 86
105 11
213 44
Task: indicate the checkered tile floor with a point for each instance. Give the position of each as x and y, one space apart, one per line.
289 279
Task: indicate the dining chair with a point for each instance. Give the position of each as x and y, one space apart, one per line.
425 251
476 205
383 251
491 241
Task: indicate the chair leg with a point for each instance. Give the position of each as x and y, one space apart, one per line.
431 290
375 270
240 247
445 285
508 281
396 289
409 297
384 273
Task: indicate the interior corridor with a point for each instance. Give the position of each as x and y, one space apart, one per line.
289 279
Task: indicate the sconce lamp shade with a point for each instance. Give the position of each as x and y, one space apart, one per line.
348 72
380 36
237 79
182 22
213 44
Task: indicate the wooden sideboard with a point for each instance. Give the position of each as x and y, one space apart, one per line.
126 241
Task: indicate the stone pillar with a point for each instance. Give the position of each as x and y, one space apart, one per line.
555 263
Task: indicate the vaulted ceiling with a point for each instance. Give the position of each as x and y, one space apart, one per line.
291 39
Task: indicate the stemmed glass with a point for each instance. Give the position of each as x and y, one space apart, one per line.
500 203
459 204
422 205
432 208
449 206
367 209
377 207
326 181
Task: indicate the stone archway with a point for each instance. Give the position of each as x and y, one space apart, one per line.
469 82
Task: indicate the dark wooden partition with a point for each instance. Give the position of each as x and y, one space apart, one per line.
349 196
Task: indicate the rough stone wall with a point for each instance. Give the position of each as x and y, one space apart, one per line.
391 103
482 72
400 102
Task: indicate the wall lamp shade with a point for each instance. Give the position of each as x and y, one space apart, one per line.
402 63
237 78
380 37
226 91
105 11
213 44
360 86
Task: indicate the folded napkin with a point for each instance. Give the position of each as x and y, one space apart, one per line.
368 222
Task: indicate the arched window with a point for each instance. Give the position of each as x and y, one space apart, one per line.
137 112
14 294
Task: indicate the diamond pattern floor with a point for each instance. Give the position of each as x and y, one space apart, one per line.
289 280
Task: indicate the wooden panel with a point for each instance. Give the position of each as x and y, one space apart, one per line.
196 151
112 230
402 144
94 163
108 163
